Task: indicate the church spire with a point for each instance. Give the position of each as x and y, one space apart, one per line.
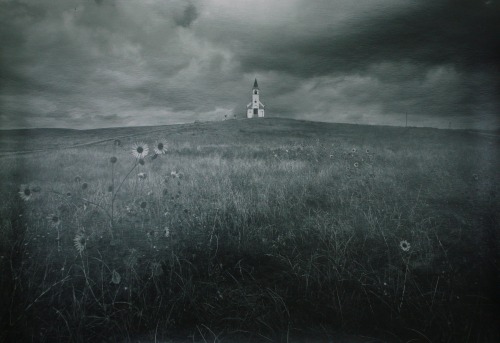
255 108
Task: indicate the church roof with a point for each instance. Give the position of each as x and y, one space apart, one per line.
255 84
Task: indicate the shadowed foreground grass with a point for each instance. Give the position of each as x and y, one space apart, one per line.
257 231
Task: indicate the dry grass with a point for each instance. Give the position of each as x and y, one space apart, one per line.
269 229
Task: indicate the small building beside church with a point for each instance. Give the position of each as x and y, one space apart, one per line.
255 108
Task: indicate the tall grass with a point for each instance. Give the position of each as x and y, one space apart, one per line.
264 241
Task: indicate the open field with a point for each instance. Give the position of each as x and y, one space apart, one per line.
250 230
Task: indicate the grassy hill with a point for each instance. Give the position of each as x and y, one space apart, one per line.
268 229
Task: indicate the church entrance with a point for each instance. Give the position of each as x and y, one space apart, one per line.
255 111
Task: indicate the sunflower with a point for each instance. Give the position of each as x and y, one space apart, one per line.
356 164
353 150
160 147
79 241
140 150
25 193
404 245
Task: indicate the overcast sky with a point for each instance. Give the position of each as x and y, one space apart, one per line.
101 63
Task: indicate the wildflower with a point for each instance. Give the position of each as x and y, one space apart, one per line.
160 147
353 150
174 174
141 162
140 150
79 242
25 193
115 277
367 151
54 220
166 232
144 204
68 194
85 185
78 179
142 176
356 164
331 155
404 245
113 159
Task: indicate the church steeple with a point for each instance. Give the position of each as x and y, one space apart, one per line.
255 108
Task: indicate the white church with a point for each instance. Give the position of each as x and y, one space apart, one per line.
255 108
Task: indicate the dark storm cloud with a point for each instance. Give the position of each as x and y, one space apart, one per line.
108 63
464 33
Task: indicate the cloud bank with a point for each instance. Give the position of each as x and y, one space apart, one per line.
86 64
